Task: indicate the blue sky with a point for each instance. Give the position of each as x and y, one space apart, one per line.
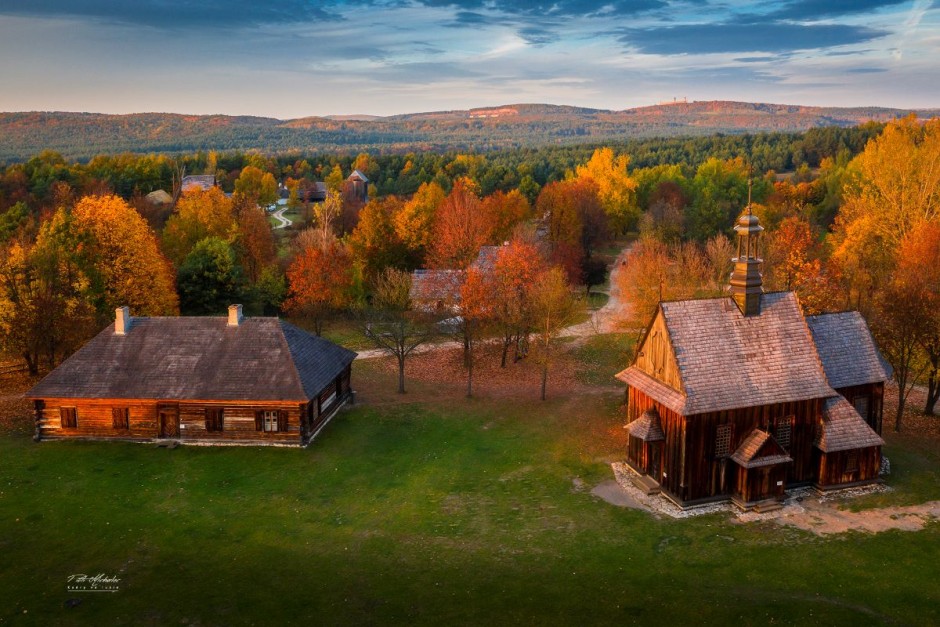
297 58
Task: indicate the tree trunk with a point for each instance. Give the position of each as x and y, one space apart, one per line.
544 378
31 364
470 373
933 385
401 374
507 342
933 392
317 326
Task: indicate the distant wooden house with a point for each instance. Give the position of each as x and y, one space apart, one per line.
211 380
436 290
357 186
203 182
742 397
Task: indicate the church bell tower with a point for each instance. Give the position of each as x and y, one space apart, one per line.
746 280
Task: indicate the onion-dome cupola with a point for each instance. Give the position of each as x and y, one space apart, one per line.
746 279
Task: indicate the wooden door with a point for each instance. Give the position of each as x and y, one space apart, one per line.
169 423
655 460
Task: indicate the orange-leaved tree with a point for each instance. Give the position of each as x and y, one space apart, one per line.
320 280
199 214
460 229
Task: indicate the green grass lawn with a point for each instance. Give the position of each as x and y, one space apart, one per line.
427 509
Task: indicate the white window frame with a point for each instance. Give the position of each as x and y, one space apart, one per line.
269 421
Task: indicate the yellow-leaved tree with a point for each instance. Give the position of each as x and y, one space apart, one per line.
127 266
616 189
199 214
893 188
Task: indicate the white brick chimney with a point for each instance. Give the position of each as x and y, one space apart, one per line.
234 315
122 320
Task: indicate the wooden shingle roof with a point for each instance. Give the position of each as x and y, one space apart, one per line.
190 358
647 427
727 360
759 449
847 350
436 285
842 429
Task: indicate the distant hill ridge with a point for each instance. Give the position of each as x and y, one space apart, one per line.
83 135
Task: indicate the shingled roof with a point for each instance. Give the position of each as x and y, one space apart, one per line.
759 449
647 427
843 429
188 358
727 360
436 285
847 350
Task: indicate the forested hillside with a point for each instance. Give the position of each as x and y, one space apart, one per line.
83 135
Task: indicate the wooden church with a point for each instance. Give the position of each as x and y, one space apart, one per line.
742 397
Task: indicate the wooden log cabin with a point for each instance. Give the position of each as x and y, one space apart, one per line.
740 398
206 380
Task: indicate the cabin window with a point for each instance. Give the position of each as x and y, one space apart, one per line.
851 461
723 440
214 418
69 417
270 421
119 417
861 406
783 430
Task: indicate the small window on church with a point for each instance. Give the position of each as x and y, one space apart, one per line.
723 440
851 461
861 406
783 429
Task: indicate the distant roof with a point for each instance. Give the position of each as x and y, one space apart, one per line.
436 285
486 259
843 429
357 174
847 350
201 181
647 427
759 449
190 358
727 360
159 197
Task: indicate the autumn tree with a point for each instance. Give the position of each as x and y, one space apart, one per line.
414 223
615 188
553 308
391 324
44 314
505 211
719 251
665 218
320 279
257 185
576 223
460 229
918 272
793 262
476 311
514 272
720 190
210 278
255 241
128 268
894 188
326 214
199 214
374 242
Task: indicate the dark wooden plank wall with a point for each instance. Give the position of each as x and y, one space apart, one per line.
691 470
832 467
876 394
758 484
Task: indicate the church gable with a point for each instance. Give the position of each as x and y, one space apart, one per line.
656 356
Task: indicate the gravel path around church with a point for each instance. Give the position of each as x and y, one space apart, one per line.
804 508
284 222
